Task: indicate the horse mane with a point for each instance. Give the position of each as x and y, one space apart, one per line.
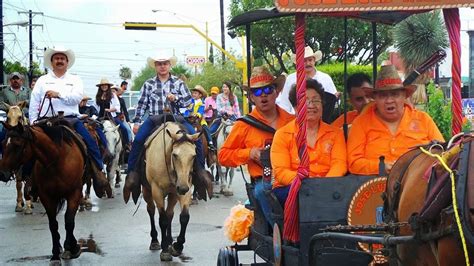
57 133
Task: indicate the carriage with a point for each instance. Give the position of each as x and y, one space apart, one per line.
330 233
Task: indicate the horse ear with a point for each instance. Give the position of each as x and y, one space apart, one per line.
4 106
21 104
194 137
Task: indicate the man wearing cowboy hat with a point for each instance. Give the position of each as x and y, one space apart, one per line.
389 127
162 92
65 92
245 142
310 60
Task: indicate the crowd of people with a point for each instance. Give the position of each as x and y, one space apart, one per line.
382 123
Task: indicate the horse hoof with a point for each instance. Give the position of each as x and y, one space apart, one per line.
194 202
67 255
81 208
228 193
54 262
155 246
175 252
18 209
28 211
165 256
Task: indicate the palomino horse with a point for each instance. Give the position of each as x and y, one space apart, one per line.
420 194
24 206
169 157
223 173
58 173
114 144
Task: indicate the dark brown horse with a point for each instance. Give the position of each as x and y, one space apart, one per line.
426 208
58 173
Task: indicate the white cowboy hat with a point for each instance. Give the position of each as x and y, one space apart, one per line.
161 58
48 54
308 52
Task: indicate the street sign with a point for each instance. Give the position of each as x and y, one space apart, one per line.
195 60
140 25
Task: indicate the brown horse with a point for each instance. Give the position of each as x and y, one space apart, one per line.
169 154
407 200
58 173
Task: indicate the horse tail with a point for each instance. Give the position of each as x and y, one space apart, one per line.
60 205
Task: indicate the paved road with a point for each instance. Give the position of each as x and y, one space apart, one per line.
122 237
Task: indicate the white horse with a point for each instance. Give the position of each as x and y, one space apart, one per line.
114 145
223 172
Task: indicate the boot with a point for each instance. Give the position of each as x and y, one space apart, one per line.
132 185
100 183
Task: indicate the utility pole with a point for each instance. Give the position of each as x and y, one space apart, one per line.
30 34
221 2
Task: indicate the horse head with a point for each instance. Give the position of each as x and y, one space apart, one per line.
182 157
15 114
112 135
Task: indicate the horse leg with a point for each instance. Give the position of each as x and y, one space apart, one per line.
71 249
172 200
178 246
229 176
51 206
150 207
158 197
27 195
19 196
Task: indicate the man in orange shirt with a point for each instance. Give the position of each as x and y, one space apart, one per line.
388 128
325 144
245 142
355 84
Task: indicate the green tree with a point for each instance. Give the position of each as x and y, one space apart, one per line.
272 40
10 67
211 54
439 109
125 73
215 74
144 74
180 70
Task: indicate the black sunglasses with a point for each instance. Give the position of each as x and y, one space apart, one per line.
259 91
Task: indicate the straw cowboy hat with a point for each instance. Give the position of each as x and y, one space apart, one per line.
48 54
104 81
115 87
161 58
214 90
308 52
200 89
261 77
388 79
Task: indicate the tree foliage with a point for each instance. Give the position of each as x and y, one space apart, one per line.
215 74
272 40
10 67
439 109
125 73
418 37
144 74
180 70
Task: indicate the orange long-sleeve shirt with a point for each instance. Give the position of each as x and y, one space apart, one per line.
369 138
243 137
350 116
327 157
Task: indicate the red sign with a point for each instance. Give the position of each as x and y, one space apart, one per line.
366 5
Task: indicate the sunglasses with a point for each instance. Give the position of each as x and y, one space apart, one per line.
259 91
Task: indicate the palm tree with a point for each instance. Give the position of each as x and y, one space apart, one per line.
125 73
416 39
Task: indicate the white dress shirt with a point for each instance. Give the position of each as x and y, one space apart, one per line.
323 78
70 89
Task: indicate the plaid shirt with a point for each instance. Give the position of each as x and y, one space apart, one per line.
153 96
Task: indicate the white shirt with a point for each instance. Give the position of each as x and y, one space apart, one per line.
114 103
323 78
70 88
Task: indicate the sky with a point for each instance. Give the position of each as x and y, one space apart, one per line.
93 30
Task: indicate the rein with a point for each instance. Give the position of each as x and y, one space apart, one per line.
50 107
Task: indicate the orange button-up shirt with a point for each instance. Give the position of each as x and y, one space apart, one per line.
243 137
327 157
350 116
369 138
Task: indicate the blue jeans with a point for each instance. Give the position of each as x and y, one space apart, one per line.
215 125
145 130
281 193
92 147
101 135
259 193
3 135
123 129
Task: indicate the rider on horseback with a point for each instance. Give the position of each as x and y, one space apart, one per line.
65 92
196 109
157 94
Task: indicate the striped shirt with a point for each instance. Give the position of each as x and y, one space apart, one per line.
153 96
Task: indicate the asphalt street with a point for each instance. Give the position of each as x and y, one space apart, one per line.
120 231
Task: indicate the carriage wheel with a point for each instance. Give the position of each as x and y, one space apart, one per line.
227 257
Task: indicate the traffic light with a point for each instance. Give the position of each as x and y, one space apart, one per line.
140 26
